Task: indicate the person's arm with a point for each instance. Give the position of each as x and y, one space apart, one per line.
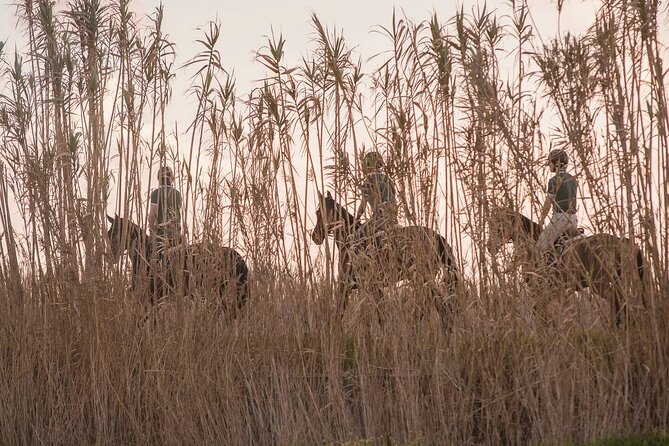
545 209
179 205
153 212
182 220
365 191
548 203
153 216
361 208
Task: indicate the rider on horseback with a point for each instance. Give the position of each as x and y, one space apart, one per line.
378 191
561 197
165 212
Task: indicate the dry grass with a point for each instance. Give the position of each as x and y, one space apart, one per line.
83 127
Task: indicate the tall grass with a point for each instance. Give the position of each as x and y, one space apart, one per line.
463 109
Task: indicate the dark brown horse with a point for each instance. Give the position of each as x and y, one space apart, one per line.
612 267
195 269
408 253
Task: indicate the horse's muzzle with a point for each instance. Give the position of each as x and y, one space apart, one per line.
317 237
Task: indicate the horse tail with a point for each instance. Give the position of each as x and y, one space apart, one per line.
641 267
242 273
447 258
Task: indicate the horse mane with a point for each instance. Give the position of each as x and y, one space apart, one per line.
517 220
342 212
135 233
530 227
134 230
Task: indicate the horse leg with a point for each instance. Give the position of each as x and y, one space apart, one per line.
155 287
543 295
226 303
618 307
347 283
147 291
242 292
618 296
241 281
442 303
343 289
444 309
378 298
611 293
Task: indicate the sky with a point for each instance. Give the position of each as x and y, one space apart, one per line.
245 24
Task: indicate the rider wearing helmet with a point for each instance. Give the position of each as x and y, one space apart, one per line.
561 197
378 191
165 211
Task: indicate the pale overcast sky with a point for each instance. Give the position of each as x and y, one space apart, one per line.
246 23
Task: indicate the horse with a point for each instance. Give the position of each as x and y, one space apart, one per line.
188 268
408 253
598 262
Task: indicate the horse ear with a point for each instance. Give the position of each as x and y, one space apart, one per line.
111 220
329 195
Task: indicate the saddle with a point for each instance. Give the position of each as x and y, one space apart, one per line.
166 248
373 246
563 241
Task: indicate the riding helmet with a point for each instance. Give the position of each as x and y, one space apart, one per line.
558 156
372 160
165 174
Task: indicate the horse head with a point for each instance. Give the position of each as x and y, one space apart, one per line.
508 225
114 235
330 217
121 234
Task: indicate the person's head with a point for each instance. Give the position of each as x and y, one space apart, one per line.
165 175
557 160
372 161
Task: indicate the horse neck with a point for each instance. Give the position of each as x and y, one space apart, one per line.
531 229
350 226
140 248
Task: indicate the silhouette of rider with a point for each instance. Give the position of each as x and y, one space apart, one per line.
561 198
378 192
165 212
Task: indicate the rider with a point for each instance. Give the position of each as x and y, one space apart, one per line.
378 191
561 197
165 211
